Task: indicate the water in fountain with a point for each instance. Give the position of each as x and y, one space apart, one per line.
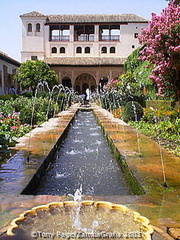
64 103
84 158
137 133
41 84
160 150
77 224
60 89
82 219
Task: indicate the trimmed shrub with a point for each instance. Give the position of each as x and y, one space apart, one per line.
158 104
27 94
8 97
25 116
133 111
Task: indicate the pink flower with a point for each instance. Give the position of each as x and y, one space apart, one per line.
14 127
161 40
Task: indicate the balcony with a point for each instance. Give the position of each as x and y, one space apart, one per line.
57 38
84 38
109 38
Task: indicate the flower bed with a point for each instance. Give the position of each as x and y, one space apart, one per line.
162 124
18 116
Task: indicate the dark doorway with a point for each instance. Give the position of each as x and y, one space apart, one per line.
103 81
84 87
78 90
66 82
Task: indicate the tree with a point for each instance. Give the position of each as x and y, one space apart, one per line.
176 2
140 71
31 73
161 47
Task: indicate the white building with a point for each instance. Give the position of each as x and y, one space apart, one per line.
8 68
84 50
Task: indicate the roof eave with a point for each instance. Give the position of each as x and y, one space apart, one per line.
81 65
10 60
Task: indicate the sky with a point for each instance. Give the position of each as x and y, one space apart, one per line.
10 10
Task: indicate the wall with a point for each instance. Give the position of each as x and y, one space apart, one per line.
7 70
33 43
38 44
99 72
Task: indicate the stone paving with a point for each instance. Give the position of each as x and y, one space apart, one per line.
161 205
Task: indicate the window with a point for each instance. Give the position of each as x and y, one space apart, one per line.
136 35
112 49
133 46
104 50
38 27
84 33
78 50
87 49
62 50
59 33
109 33
29 27
54 50
33 58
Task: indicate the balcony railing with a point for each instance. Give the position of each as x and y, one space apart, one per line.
84 38
64 38
109 38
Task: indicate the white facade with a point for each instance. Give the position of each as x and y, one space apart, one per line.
33 43
84 50
39 42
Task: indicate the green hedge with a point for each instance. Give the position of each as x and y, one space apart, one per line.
133 111
157 104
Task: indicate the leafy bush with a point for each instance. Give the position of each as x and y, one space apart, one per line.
11 128
16 116
168 130
158 104
20 103
28 94
133 111
25 116
6 108
8 97
153 115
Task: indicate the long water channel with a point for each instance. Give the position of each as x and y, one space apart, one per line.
84 158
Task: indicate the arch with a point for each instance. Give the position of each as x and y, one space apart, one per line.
87 49
66 82
54 50
84 81
38 27
112 50
29 28
104 50
79 50
62 50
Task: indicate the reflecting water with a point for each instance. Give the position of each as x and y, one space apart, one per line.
94 223
84 158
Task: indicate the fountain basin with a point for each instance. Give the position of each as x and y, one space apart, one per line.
86 219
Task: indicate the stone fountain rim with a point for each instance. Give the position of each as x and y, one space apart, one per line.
136 216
